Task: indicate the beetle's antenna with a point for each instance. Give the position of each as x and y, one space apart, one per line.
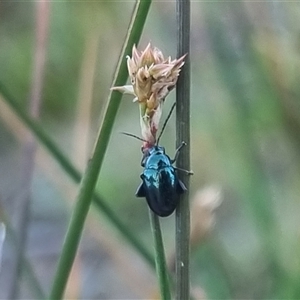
134 136
166 121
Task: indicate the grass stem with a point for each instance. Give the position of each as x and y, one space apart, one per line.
183 162
91 174
160 259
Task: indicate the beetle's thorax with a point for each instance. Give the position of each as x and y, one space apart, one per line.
156 150
157 158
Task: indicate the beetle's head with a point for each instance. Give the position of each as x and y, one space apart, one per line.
157 150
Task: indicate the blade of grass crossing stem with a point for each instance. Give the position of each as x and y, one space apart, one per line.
90 176
160 259
183 134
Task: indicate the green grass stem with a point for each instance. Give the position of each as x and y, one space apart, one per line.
91 174
160 259
183 162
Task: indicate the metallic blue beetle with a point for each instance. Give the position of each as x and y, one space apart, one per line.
160 185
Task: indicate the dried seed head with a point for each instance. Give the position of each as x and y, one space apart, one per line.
152 78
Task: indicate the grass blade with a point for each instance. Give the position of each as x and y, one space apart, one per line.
90 177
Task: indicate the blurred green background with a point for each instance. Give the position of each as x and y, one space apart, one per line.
245 133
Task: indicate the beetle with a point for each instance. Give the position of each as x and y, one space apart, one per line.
160 183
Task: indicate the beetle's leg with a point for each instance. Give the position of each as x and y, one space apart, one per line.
185 171
141 191
180 188
178 151
176 156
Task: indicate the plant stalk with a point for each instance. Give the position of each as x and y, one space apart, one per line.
160 259
183 162
91 174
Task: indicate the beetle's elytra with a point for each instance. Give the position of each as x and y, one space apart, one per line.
160 184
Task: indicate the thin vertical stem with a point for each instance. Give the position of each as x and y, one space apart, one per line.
160 259
183 134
